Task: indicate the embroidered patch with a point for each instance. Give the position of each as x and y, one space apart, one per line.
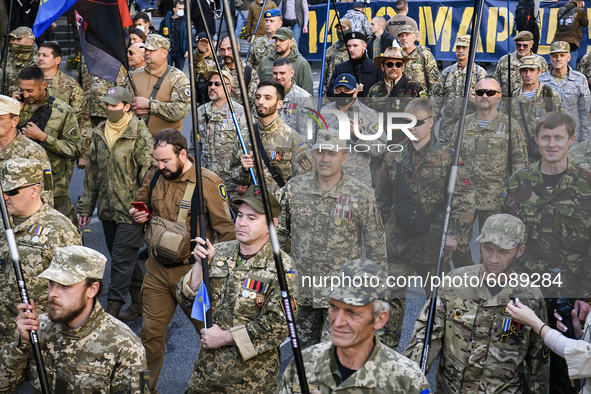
222 190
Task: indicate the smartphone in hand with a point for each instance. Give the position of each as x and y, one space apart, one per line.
140 206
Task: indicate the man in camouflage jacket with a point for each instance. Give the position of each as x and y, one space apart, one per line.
422 67
263 45
21 53
38 228
240 352
480 348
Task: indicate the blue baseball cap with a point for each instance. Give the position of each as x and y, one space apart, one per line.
346 80
273 12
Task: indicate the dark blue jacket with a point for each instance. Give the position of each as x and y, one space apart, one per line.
167 22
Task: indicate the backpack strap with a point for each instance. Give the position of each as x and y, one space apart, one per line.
270 166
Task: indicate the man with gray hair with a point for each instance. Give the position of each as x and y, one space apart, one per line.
38 228
354 357
74 332
479 344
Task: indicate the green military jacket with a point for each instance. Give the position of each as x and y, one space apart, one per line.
65 88
417 69
261 47
95 88
480 348
426 175
385 371
246 300
101 356
114 175
35 238
285 148
302 71
14 64
62 144
485 154
502 72
218 135
558 226
336 54
321 222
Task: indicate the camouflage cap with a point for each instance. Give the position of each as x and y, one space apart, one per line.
8 105
503 230
358 283
329 140
73 264
345 24
559 47
523 35
17 172
22 31
117 94
155 41
273 12
409 29
283 33
254 198
462 41
226 74
529 62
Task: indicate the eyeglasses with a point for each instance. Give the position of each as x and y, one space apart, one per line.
216 83
488 92
421 122
392 64
522 46
14 192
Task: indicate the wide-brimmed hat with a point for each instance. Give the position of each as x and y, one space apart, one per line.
391 53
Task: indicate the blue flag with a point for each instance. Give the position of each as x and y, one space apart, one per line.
201 304
49 11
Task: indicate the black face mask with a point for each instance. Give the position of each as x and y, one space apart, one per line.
343 99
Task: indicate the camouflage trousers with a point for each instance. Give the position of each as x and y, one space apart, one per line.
462 257
65 207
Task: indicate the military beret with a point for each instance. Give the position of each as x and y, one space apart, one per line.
15 173
523 35
272 12
355 36
73 264
156 41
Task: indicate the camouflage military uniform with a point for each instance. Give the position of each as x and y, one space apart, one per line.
502 72
426 174
450 91
581 153
576 99
260 48
172 102
584 66
385 371
485 154
218 136
383 97
62 146
201 67
253 315
14 64
21 146
558 226
292 113
35 238
336 54
358 162
285 148
101 356
320 223
65 88
94 89
416 70
545 100
481 348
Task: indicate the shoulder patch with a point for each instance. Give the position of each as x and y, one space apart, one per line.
222 190
546 352
305 163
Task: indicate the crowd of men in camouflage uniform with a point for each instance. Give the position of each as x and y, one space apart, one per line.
345 201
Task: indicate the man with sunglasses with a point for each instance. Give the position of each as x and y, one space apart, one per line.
488 146
135 56
417 177
163 192
448 94
217 131
38 228
524 42
572 87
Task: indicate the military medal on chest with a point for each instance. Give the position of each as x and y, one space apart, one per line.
255 290
39 233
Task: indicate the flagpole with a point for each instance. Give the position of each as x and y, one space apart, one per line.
326 28
6 46
281 278
199 183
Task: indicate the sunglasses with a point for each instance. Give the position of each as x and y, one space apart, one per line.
521 45
131 53
488 92
392 64
16 191
217 83
421 122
